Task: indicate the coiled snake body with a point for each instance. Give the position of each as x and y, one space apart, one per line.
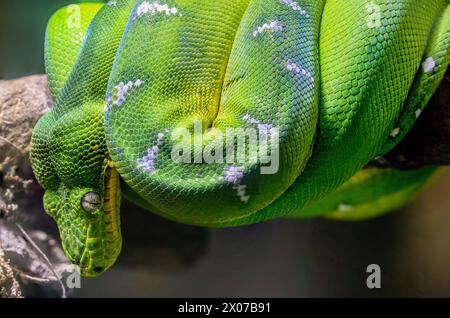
330 84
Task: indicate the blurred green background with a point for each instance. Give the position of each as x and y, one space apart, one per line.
22 32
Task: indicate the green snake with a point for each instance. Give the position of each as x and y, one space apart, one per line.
328 85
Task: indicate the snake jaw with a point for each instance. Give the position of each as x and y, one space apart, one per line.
92 240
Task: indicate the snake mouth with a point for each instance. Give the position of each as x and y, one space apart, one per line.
111 200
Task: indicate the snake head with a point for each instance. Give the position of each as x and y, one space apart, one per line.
80 215
82 189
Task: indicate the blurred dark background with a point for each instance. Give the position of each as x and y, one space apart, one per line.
275 259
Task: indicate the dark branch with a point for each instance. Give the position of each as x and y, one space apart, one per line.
428 143
24 100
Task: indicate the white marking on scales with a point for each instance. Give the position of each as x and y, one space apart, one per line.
345 207
273 26
120 92
234 175
418 113
147 163
295 6
395 132
299 70
265 129
429 65
155 8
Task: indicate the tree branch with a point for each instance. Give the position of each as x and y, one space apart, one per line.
24 100
428 142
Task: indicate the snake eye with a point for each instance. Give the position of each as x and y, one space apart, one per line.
90 201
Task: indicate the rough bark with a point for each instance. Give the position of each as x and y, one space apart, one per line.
27 257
